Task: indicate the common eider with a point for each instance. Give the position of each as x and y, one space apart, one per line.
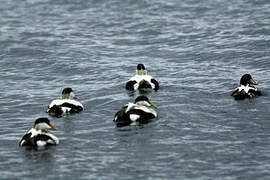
67 105
38 135
246 89
142 81
139 112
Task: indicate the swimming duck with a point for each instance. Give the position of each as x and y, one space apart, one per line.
142 80
38 136
138 112
67 105
246 88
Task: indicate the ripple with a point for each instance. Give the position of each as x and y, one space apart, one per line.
196 50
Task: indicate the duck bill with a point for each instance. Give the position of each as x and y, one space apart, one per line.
152 105
52 126
253 82
73 96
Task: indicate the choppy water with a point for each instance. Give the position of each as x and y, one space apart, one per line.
198 52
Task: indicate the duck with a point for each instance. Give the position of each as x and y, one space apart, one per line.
142 81
67 105
139 112
38 135
246 88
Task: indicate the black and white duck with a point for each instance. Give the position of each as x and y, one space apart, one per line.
39 136
141 111
246 88
142 81
67 105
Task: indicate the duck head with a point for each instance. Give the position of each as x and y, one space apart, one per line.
246 79
43 124
144 101
68 93
141 70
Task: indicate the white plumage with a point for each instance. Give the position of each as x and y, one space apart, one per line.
38 136
141 111
142 81
246 89
66 105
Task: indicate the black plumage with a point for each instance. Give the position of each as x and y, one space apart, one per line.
38 136
139 112
142 81
246 89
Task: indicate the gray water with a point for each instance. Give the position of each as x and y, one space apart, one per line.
197 50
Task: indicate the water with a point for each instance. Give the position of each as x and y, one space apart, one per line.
197 50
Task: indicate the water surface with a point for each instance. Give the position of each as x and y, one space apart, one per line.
196 50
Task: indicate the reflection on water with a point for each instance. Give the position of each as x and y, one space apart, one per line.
40 155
